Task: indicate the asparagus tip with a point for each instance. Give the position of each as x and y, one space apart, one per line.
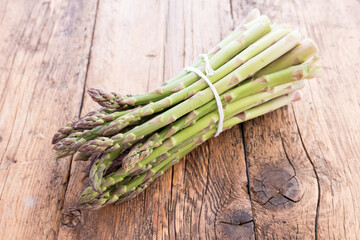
104 98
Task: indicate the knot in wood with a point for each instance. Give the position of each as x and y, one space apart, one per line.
276 189
71 218
235 219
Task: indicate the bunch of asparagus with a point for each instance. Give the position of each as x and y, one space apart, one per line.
132 140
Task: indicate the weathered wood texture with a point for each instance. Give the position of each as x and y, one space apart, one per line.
302 160
44 52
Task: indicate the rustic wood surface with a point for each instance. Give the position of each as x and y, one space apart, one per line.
292 174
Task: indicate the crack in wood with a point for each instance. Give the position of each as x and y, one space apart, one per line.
237 224
248 176
206 188
276 187
316 175
231 13
287 155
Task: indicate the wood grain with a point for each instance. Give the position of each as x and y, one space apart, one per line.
314 140
43 57
302 161
173 206
330 129
132 63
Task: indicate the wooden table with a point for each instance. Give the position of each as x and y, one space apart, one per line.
302 161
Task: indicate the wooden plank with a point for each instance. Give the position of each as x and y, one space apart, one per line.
209 197
331 131
315 140
283 183
127 55
305 157
43 57
205 195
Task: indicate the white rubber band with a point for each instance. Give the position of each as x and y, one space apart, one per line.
216 95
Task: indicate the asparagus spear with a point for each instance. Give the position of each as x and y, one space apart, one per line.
63 132
109 99
67 144
69 128
213 117
128 163
247 38
138 183
306 70
89 122
252 77
206 121
244 71
302 52
254 31
145 176
299 54
177 97
89 194
106 98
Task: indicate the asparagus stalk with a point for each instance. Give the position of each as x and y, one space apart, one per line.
306 70
181 137
63 132
254 32
206 121
69 128
129 163
258 67
68 146
140 181
213 117
247 38
177 97
302 52
106 98
251 20
244 71
89 122
144 179
74 137
109 99
89 193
